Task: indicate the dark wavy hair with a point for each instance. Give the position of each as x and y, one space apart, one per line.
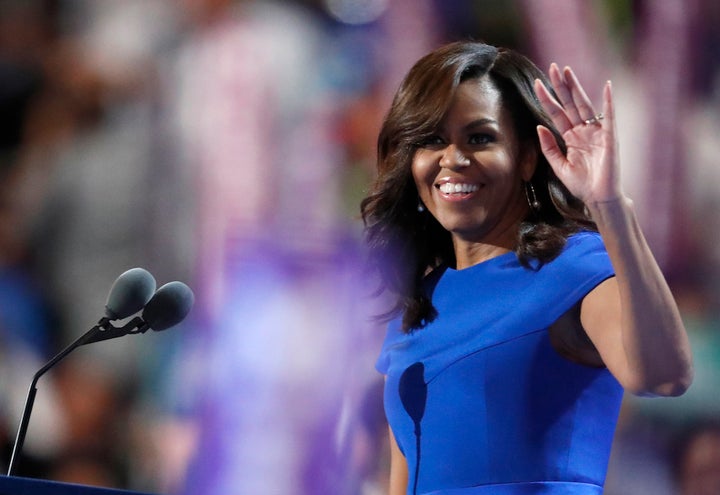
404 244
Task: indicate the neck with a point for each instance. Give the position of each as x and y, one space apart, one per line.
470 252
474 253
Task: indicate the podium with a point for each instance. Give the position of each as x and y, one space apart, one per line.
13 485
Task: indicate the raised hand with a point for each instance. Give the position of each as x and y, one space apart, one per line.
590 169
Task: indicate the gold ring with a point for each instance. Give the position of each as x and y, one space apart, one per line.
595 120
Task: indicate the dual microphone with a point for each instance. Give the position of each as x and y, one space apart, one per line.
132 292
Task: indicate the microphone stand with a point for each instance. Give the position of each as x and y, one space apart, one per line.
102 331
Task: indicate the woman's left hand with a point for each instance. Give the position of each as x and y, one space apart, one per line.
590 169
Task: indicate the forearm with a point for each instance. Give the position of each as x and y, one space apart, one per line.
653 338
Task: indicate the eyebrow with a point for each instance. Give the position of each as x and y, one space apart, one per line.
477 123
480 122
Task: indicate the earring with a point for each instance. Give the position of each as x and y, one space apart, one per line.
532 197
420 207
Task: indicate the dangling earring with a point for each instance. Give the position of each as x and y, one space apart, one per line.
420 207
532 197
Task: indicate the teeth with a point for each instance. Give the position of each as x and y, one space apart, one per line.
449 188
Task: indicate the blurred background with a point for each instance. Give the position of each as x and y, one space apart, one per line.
227 144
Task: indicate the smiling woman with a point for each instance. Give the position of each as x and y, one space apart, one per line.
470 174
527 299
470 78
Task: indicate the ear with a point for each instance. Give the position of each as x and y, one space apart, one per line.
528 160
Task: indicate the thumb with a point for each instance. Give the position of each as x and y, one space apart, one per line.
549 147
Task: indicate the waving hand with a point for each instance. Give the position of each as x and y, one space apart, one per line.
590 169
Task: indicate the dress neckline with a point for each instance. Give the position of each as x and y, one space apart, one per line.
488 262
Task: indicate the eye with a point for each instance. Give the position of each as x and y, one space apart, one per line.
481 138
430 141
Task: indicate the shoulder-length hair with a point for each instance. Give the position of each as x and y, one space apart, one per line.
405 244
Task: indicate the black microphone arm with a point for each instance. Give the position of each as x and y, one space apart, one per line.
132 291
95 334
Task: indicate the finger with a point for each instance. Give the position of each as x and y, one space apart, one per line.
550 148
580 98
552 107
608 109
609 124
564 95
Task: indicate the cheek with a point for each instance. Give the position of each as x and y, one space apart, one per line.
503 166
423 172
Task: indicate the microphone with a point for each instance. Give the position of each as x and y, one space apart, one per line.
132 291
169 306
166 308
129 293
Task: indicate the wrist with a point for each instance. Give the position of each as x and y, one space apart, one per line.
606 205
615 214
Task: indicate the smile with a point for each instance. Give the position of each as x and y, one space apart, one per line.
457 188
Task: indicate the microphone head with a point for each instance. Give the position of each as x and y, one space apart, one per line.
169 306
129 293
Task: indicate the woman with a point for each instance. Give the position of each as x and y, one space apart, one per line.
527 297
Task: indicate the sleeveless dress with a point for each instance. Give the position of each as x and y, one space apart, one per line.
480 402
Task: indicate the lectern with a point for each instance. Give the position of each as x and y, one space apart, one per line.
13 485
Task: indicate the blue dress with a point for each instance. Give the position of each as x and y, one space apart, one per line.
481 403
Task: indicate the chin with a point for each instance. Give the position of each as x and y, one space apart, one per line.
463 227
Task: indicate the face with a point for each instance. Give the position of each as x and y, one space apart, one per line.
470 173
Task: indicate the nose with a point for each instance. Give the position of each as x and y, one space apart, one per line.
453 157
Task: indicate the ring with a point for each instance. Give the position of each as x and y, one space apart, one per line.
595 120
